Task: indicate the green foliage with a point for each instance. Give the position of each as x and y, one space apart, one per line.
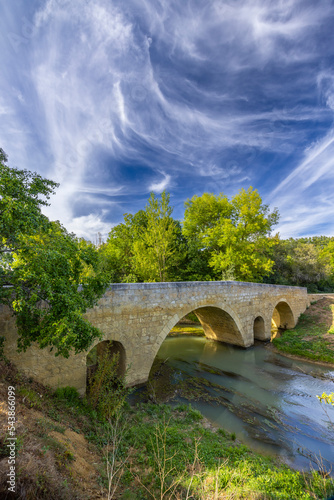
305 262
69 394
307 340
152 252
116 255
327 398
108 391
31 398
22 193
51 277
234 234
147 246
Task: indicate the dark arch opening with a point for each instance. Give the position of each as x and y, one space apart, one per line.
109 347
282 318
259 331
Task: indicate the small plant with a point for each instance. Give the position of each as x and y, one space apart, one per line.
167 484
48 425
327 398
68 394
60 450
194 414
31 398
115 432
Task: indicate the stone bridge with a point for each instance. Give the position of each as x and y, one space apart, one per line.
135 319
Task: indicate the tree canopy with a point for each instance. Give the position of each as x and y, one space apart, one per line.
236 234
48 277
145 247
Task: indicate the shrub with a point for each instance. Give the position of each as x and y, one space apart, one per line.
108 391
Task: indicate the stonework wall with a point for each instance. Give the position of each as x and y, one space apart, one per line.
140 316
314 297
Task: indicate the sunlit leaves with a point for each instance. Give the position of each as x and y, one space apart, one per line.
235 233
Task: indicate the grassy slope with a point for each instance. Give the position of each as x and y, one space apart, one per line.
61 444
313 336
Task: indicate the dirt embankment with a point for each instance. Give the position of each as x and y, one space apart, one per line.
53 460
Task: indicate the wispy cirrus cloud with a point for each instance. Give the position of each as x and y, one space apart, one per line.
116 99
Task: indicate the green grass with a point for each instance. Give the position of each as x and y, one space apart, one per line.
221 462
187 330
238 472
31 397
159 439
307 340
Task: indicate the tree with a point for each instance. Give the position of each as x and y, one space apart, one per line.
235 234
117 254
305 262
153 251
147 246
22 193
48 277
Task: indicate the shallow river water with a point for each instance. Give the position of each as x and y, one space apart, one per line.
269 401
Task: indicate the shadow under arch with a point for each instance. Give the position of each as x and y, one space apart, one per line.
259 328
219 325
109 347
282 316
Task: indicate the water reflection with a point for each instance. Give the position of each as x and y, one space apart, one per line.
268 400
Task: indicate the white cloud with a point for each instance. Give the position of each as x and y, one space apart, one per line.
159 187
88 227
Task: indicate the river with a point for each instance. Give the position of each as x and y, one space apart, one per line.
269 401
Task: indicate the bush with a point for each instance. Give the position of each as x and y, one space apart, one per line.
70 394
108 391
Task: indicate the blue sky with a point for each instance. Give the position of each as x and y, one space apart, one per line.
117 98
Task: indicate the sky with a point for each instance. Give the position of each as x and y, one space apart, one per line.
114 99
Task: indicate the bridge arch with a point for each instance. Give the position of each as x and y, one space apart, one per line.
282 315
259 327
219 322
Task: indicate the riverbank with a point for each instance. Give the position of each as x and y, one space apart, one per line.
62 445
187 329
313 336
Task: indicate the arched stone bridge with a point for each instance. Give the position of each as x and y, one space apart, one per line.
137 317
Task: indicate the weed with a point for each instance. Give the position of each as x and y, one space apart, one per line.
60 450
48 425
30 397
69 395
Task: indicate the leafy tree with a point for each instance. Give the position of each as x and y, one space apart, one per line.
234 234
153 251
118 252
305 262
147 246
22 193
48 277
